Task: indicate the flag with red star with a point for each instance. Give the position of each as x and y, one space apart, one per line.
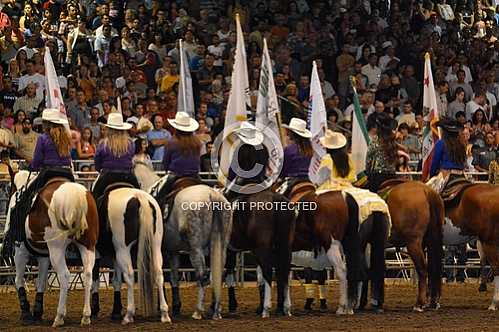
53 98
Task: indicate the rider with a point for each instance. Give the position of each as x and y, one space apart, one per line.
382 157
449 156
113 157
182 153
252 157
297 155
337 160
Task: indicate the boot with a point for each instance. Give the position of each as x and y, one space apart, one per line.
232 299
117 307
323 307
310 295
94 306
176 303
308 304
323 297
38 307
26 316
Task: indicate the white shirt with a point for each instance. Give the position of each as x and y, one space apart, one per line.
471 108
217 51
349 111
29 51
384 60
373 74
98 32
37 79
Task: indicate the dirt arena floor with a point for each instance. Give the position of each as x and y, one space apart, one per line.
463 309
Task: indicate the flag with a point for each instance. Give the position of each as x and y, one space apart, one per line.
267 110
317 122
118 104
185 97
430 133
239 99
360 137
53 92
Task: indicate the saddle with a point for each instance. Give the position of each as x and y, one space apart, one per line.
299 190
180 184
453 190
386 187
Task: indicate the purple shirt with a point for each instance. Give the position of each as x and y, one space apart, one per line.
46 154
295 164
104 158
177 162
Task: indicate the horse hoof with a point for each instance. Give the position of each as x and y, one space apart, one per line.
216 316
418 309
85 320
259 310
342 310
287 312
434 306
493 307
482 288
197 315
27 318
58 322
266 313
127 320
176 311
165 318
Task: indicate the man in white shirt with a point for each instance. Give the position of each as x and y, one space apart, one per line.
30 47
366 106
105 21
32 77
102 45
389 56
217 50
475 104
372 71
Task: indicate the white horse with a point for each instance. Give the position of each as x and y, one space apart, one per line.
63 212
199 219
131 217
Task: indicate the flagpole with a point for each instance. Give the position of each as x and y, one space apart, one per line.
182 74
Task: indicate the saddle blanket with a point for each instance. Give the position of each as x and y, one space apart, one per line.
367 202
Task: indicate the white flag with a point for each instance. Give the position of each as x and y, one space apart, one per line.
317 122
430 111
360 137
267 110
239 99
185 101
53 93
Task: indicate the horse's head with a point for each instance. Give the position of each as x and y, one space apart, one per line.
145 175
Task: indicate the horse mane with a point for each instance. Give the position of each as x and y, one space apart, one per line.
21 179
145 175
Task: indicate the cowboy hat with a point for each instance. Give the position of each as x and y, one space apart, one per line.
53 115
299 126
385 122
115 121
249 134
184 122
450 125
333 140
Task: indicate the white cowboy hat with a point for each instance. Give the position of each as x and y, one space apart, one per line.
53 115
333 140
249 134
299 126
184 122
115 121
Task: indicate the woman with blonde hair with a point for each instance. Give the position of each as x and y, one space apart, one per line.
114 154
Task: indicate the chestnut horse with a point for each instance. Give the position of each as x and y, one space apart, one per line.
63 212
475 213
417 214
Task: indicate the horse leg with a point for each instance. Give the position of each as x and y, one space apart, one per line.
264 257
124 261
88 260
230 266
174 261
57 250
21 258
365 232
158 267
321 280
41 286
198 262
334 254
484 275
117 282
491 254
415 250
94 307
309 288
377 264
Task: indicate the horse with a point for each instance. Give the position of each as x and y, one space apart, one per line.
417 215
263 222
131 217
472 210
199 219
63 212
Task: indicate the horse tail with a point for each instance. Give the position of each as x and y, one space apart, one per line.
70 214
356 269
217 249
284 229
145 262
434 236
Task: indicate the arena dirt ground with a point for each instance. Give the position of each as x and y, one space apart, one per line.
463 309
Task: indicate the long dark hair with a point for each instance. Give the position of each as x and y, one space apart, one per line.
455 147
340 161
388 144
304 145
188 144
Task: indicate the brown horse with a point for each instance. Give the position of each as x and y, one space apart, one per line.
475 213
331 224
63 212
417 214
263 223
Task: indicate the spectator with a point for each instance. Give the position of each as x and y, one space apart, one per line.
476 104
86 147
372 71
29 102
407 115
457 105
80 113
25 141
158 137
494 170
461 83
487 155
141 153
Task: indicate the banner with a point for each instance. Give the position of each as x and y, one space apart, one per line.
360 137
185 98
53 97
